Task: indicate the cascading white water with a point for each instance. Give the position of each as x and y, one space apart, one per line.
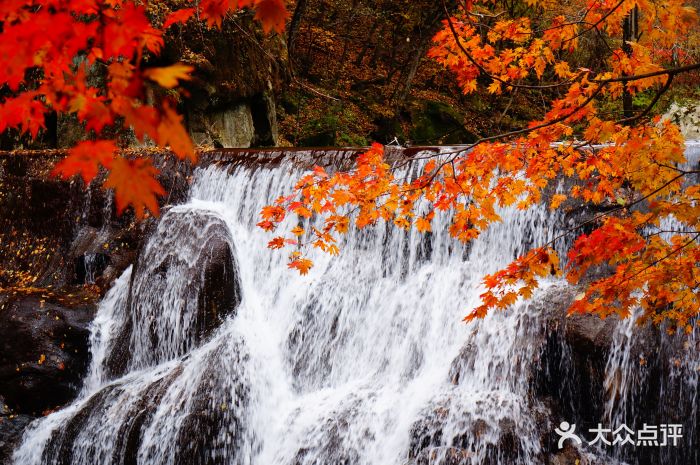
627 371
361 349
363 361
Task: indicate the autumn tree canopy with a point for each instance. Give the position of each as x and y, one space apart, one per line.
626 161
46 50
588 60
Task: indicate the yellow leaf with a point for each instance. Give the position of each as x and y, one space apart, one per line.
169 76
422 224
557 200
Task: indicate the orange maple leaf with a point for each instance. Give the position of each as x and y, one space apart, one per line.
134 184
172 132
276 243
423 224
84 159
272 14
178 17
169 76
303 265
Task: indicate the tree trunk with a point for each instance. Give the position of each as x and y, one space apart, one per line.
411 74
429 28
294 27
629 33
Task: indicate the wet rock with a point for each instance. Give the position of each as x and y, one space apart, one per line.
89 266
443 456
212 433
101 255
43 352
47 224
589 334
330 445
188 267
570 374
209 410
220 293
487 442
11 428
569 455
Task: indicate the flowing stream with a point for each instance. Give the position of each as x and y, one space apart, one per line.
363 361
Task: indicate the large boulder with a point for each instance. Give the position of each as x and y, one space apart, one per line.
185 282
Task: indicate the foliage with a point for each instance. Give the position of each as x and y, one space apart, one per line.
569 55
648 233
48 47
355 59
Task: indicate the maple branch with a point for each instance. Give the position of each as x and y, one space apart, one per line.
572 23
659 260
599 216
651 105
675 168
597 23
466 148
495 78
663 231
542 125
636 77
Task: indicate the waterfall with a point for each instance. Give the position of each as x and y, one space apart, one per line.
634 397
210 351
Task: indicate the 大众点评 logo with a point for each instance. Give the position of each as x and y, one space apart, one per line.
648 436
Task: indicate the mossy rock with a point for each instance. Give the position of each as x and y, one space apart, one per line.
388 130
438 123
325 138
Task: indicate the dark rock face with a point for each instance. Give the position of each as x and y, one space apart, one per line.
567 381
569 377
588 333
61 247
239 70
211 428
213 431
43 357
11 428
43 353
50 228
221 290
655 385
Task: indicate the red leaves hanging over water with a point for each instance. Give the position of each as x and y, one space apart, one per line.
49 47
623 166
